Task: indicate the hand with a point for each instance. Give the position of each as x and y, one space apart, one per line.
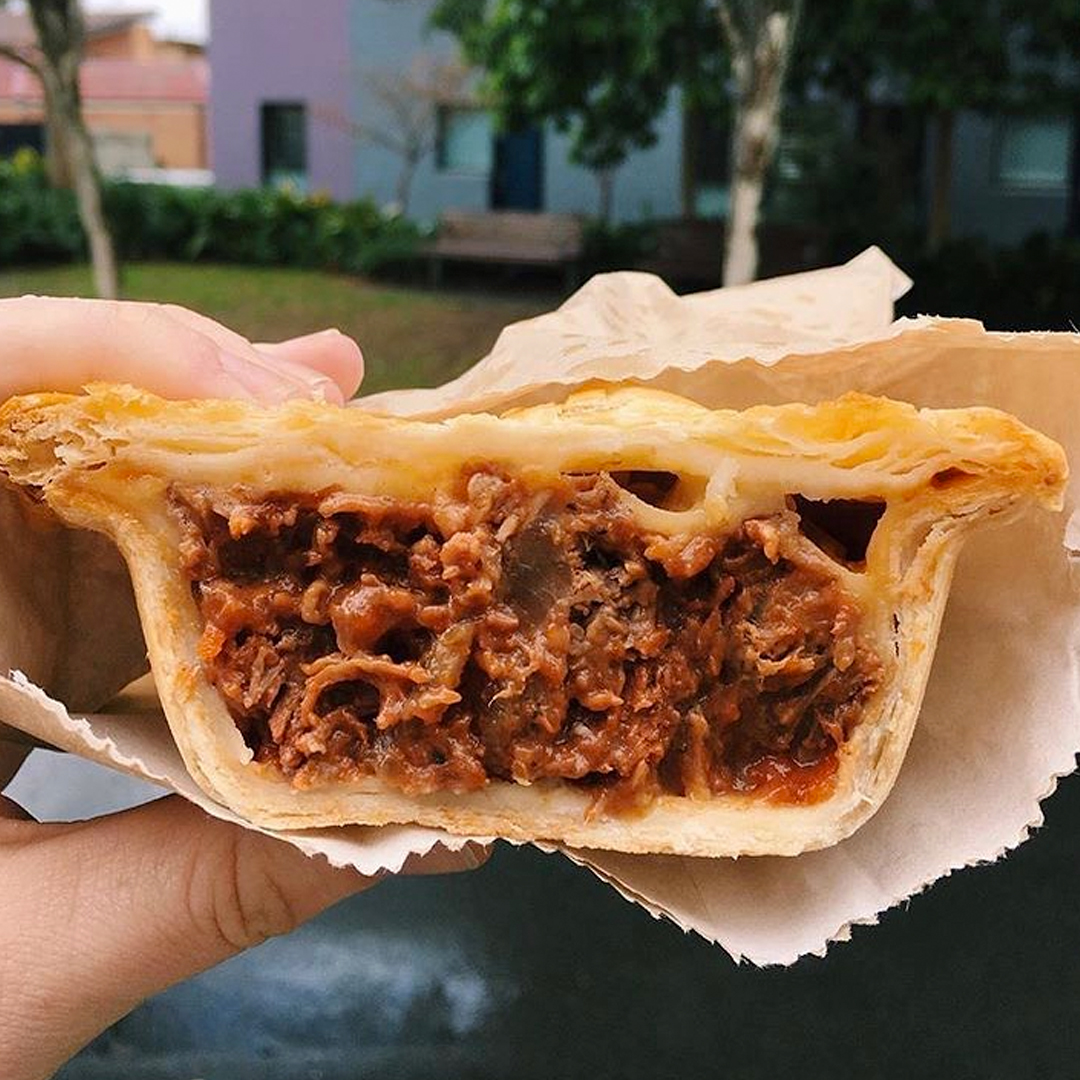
63 344
95 916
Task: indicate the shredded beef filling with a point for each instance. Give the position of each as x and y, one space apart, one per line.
519 634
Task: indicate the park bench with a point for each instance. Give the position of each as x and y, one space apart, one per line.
510 237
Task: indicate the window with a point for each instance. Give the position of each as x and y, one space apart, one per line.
284 144
1033 153
15 137
465 141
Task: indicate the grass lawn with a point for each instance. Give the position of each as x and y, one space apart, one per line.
410 337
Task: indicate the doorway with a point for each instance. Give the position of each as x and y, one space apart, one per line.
517 179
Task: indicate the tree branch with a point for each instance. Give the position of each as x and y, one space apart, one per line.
16 57
734 36
380 137
360 131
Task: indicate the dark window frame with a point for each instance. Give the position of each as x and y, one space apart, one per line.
275 112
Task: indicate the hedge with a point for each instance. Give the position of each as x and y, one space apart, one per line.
37 223
155 221
1035 285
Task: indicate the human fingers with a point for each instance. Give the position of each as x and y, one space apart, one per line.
12 755
63 344
329 351
10 810
99 915
334 358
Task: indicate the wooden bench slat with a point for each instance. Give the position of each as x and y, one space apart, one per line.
512 226
452 247
508 236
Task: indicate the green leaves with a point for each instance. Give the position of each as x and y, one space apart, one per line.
37 223
261 226
601 70
940 55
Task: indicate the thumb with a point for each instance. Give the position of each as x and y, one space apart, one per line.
328 351
99 915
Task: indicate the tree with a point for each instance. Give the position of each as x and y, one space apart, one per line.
604 71
1051 41
404 117
601 72
760 35
55 61
938 56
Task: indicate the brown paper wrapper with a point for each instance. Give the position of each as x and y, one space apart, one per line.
1001 719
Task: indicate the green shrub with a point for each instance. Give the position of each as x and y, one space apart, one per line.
37 223
264 227
607 246
154 221
1033 286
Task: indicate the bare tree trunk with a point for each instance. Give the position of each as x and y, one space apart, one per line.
403 188
760 34
940 221
60 36
605 180
57 167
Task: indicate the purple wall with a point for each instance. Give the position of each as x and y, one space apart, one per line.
279 50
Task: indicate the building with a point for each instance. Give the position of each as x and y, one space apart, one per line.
145 100
1014 176
305 100
311 99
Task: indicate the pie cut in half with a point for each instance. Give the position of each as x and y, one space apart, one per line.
624 622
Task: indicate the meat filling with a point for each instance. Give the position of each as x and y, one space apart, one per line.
515 633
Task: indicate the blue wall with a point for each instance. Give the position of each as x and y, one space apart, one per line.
389 34
982 206
386 36
258 52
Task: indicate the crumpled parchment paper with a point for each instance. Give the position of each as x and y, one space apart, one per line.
1001 719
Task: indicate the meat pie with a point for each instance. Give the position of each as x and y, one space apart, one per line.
623 622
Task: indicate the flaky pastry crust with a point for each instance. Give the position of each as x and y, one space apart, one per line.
105 460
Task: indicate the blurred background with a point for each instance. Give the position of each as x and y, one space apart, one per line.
420 173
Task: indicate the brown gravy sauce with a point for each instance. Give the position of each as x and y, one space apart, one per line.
518 634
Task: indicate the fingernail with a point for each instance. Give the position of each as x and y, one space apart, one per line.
271 381
322 388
